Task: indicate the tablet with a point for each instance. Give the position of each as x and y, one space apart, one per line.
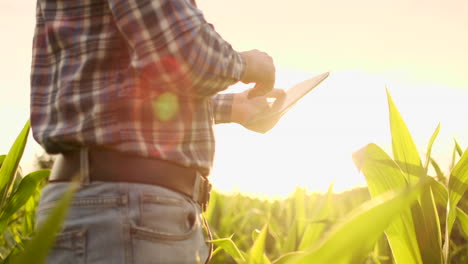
264 121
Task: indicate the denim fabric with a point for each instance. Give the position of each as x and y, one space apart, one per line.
126 223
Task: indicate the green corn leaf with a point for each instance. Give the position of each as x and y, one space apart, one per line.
383 175
312 234
441 198
315 229
210 210
25 190
424 214
440 192
405 152
427 227
458 148
299 203
458 183
290 243
38 248
426 221
456 151
30 212
257 251
255 233
351 240
18 248
379 249
439 174
11 162
230 247
429 147
463 220
16 180
2 158
288 257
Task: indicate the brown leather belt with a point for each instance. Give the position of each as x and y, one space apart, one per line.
112 166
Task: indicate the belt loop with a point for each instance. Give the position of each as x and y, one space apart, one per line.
84 166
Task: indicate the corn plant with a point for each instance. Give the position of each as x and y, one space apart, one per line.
18 197
351 240
353 236
415 236
18 200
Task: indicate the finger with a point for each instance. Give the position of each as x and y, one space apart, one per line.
256 91
260 89
276 93
259 104
279 95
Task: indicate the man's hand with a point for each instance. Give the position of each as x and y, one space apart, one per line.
245 109
260 70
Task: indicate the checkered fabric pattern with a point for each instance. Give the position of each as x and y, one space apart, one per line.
137 76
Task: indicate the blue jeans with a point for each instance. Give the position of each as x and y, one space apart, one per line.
126 223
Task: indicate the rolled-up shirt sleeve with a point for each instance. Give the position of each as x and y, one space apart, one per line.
174 49
222 107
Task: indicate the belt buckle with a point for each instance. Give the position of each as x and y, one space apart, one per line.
204 190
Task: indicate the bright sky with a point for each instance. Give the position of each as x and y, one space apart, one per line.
417 48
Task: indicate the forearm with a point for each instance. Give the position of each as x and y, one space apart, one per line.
175 49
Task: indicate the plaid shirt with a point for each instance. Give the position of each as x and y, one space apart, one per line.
137 76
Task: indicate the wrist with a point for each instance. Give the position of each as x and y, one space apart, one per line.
246 76
238 113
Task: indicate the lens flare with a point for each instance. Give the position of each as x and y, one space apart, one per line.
166 106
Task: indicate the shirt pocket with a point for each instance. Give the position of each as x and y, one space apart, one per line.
165 218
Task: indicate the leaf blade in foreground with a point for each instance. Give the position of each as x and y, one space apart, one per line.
38 248
424 214
405 152
257 251
384 175
21 195
458 183
11 162
230 247
353 239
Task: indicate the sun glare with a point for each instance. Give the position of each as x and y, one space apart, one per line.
312 145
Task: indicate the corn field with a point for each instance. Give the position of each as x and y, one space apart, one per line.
405 215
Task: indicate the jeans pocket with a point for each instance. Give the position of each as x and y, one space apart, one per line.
69 247
164 217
